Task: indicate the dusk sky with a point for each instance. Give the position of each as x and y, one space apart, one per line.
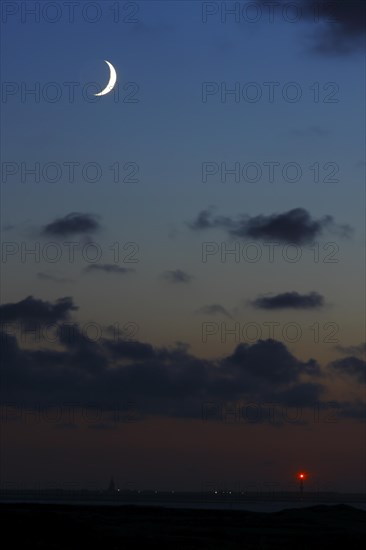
193 312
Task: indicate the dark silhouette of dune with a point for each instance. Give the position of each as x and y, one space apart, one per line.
45 526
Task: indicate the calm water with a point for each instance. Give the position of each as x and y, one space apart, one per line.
266 507
252 506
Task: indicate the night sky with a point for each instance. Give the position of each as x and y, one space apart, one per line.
183 260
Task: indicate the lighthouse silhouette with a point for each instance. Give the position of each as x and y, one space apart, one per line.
301 479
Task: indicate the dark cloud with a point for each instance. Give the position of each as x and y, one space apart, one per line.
53 278
295 226
177 276
214 309
301 395
205 220
344 25
130 350
108 268
270 361
352 367
355 410
107 373
359 350
167 381
337 26
289 300
35 310
72 224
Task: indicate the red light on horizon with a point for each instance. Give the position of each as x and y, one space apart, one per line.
302 475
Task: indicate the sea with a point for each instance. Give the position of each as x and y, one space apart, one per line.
262 507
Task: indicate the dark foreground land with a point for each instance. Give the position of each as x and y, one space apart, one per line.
47 526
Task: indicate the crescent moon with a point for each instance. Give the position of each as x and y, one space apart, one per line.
112 80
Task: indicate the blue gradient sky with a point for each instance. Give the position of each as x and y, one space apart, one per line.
169 132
